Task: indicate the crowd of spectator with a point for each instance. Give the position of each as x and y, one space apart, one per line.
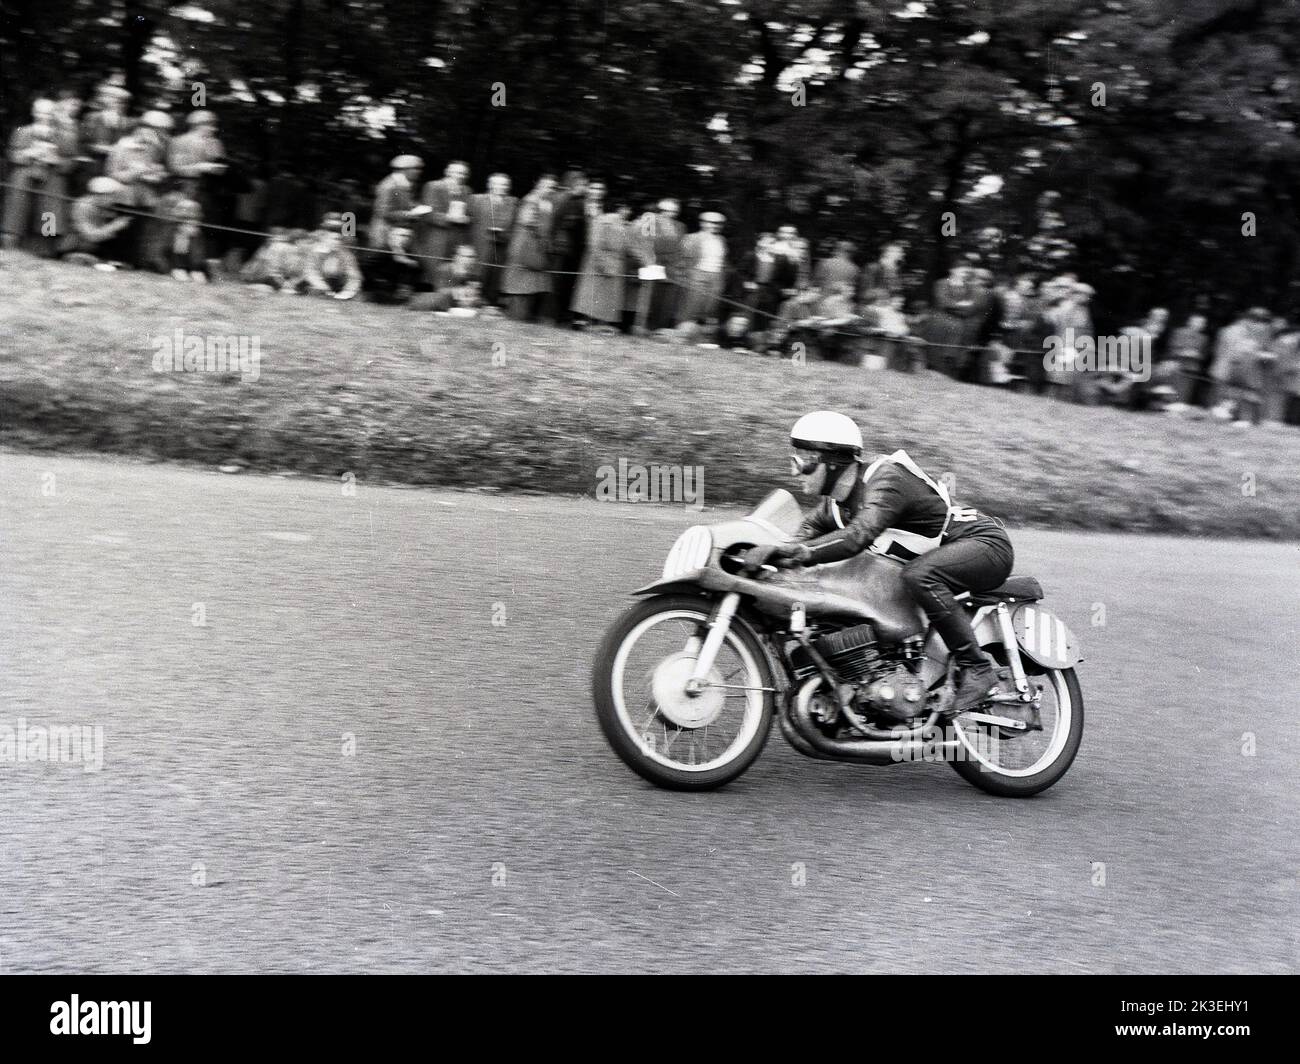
88 182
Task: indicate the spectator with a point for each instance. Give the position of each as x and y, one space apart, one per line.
99 232
1286 346
838 270
704 262
35 206
330 268
446 226
493 215
199 159
952 323
1187 350
279 263
885 275
67 125
185 245
791 251
456 284
391 274
138 161
1272 371
985 316
600 293
526 279
105 125
736 333
575 217
1075 314
760 286
395 199
657 248
1236 365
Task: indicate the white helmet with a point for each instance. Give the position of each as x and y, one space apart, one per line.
825 430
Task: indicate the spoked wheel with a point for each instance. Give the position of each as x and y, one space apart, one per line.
669 736
1013 764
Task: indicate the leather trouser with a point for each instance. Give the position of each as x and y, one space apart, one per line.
976 558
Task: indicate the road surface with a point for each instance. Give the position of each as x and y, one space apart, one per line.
320 754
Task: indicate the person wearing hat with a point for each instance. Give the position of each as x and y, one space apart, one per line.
198 158
98 230
656 248
395 199
703 267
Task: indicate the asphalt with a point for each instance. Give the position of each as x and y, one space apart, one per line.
349 767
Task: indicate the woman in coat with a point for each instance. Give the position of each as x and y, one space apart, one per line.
526 279
602 283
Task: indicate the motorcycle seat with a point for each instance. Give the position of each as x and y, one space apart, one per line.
1016 589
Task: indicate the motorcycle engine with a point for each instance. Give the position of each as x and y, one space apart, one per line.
899 694
885 688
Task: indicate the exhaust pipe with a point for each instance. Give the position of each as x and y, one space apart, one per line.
803 734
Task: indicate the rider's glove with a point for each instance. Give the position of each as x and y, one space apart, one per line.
782 555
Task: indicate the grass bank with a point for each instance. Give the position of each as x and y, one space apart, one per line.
399 396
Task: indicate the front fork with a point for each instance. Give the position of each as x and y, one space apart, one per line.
719 625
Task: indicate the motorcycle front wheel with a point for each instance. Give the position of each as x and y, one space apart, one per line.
671 738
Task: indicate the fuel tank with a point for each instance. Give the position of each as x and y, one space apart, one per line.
874 581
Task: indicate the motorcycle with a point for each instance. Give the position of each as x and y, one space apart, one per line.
686 682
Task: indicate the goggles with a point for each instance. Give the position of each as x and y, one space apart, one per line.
804 465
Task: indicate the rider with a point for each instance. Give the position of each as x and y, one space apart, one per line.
893 506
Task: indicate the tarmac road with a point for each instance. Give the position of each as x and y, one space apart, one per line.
348 767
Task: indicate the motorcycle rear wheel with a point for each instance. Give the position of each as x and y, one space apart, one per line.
979 761
632 730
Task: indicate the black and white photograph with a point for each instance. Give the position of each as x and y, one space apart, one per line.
652 487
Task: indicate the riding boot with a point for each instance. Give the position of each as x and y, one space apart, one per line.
977 676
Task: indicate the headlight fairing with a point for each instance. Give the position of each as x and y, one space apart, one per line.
689 553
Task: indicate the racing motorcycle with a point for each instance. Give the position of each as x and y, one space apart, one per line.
687 681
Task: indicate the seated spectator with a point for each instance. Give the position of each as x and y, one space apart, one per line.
100 233
735 333
457 284
278 263
330 268
391 273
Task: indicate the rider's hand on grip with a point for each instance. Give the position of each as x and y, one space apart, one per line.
780 556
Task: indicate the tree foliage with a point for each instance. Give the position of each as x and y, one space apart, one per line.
1130 140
